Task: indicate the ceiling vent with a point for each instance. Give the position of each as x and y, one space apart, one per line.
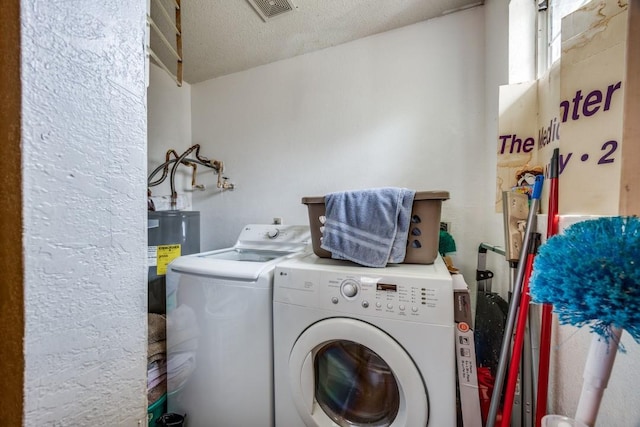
268 9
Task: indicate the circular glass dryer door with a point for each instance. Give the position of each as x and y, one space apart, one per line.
350 373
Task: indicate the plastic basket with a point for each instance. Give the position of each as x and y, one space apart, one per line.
424 230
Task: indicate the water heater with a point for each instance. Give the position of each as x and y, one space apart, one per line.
170 235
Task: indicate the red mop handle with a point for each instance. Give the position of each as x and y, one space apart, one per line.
546 316
543 364
518 340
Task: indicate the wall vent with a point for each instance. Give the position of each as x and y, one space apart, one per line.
268 9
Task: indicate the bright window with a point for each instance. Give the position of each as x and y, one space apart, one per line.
550 23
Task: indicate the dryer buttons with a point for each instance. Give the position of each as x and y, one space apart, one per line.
365 304
349 288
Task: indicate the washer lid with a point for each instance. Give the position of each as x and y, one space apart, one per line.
234 263
245 255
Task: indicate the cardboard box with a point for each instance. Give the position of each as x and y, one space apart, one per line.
466 354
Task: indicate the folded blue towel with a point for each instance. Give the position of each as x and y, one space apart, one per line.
369 227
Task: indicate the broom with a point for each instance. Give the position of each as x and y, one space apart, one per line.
513 305
518 339
591 276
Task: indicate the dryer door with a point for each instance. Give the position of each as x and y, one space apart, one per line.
349 373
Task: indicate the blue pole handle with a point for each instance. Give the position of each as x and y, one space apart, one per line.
537 187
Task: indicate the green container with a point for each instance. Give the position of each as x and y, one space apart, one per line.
156 410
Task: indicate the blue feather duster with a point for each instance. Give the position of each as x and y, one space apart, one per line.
591 275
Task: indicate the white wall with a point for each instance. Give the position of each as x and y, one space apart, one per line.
403 108
569 349
522 41
496 54
83 157
169 128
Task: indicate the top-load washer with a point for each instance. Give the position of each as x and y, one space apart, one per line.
219 328
357 346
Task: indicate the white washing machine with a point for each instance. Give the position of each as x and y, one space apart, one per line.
219 328
357 346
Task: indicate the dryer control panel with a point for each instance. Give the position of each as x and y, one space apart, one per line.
358 291
385 296
273 237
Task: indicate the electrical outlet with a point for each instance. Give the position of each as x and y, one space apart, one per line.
277 221
515 210
445 226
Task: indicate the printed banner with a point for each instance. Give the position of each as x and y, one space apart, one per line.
591 110
517 125
576 107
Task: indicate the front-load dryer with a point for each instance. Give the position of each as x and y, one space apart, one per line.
219 328
358 346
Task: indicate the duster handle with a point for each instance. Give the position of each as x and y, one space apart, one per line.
597 371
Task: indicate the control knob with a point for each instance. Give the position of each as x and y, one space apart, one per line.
272 234
349 288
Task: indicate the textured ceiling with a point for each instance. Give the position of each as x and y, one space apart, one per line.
220 37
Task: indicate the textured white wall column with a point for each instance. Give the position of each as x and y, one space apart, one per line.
84 163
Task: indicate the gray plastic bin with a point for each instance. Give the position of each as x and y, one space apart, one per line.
424 231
